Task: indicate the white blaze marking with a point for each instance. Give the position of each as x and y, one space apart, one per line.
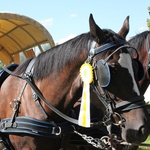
125 61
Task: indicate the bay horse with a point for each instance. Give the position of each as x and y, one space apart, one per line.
141 42
36 99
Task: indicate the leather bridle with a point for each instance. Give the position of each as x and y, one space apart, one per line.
110 106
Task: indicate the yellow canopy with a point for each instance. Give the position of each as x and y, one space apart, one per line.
19 33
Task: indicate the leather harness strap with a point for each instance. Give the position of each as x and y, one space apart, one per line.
31 126
28 78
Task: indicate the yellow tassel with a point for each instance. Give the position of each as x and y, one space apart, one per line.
86 72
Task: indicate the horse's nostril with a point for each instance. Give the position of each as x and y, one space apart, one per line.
137 135
143 132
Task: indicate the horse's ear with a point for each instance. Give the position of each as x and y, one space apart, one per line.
125 28
95 31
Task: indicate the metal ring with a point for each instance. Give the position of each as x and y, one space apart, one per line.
11 104
119 117
105 139
59 132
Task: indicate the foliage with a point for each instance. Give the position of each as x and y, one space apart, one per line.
148 24
1 65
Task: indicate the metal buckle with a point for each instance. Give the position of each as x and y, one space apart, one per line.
56 131
8 124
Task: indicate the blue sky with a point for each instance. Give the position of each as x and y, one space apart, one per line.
67 18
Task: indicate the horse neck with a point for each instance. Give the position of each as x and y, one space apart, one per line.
143 58
144 83
62 87
143 48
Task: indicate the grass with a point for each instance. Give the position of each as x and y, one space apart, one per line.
143 147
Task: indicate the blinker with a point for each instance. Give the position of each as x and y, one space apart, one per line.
102 73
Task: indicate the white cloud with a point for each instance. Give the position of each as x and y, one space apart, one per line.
66 39
142 28
73 15
47 22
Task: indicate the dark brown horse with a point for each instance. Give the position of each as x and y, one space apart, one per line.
33 97
141 42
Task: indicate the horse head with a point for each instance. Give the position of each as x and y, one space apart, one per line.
117 76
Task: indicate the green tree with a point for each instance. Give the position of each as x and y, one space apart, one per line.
148 20
1 65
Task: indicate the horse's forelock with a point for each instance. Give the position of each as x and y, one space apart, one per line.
111 36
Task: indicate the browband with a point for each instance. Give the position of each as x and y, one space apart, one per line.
102 48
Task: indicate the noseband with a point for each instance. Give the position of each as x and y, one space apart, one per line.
110 106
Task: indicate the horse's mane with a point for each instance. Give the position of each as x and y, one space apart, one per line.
137 40
22 68
60 56
64 54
